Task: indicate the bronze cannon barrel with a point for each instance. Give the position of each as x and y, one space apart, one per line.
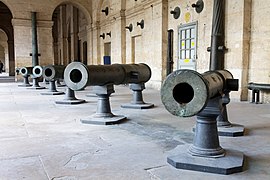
17 70
185 93
37 71
258 86
77 75
26 71
53 72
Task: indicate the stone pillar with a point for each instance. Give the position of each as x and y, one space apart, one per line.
89 44
11 64
74 34
119 38
22 42
45 42
247 8
63 35
96 44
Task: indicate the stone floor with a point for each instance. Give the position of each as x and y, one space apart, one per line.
43 140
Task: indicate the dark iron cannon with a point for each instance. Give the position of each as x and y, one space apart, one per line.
187 93
77 75
25 72
52 73
102 77
256 88
36 75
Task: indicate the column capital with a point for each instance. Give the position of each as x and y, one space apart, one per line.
27 23
21 22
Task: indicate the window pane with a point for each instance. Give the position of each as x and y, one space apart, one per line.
192 43
183 55
192 54
188 33
193 33
187 55
183 45
187 44
183 34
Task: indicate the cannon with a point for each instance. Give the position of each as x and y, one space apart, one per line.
17 70
25 72
36 74
256 88
77 75
187 93
102 77
52 73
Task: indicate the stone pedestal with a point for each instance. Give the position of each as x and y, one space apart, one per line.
70 98
52 89
205 154
36 85
226 128
137 101
25 82
103 115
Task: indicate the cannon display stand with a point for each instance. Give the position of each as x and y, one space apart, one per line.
103 115
205 154
58 83
70 98
25 82
137 101
36 85
52 90
226 128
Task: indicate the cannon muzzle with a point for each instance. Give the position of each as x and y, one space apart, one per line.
53 72
37 71
185 93
26 71
77 75
17 70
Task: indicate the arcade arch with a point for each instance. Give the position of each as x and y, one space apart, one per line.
70 34
6 40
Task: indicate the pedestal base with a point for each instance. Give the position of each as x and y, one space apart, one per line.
52 93
91 95
70 102
24 85
232 162
37 87
103 120
233 131
138 106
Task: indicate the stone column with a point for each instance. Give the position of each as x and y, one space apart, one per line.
247 8
74 34
45 42
11 64
63 35
96 44
89 44
22 42
118 37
